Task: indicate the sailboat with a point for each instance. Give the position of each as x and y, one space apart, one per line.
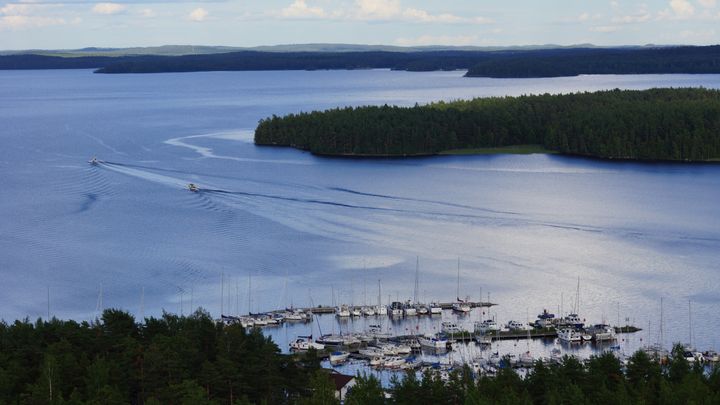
460 306
380 309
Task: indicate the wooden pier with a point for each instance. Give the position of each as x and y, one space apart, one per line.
322 309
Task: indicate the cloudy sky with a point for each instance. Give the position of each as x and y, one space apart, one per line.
122 23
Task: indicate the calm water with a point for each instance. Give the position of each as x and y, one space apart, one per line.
524 227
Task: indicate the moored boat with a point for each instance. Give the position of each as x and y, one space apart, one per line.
338 357
305 343
569 335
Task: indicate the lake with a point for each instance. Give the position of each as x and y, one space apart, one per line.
305 230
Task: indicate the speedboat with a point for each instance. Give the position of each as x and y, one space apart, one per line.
338 357
433 342
192 187
368 311
94 161
602 332
515 325
422 309
305 343
486 326
393 362
569 335
342 311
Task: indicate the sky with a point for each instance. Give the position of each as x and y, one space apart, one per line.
69 24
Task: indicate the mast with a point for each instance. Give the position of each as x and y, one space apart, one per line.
249 293
662 338
222 293
379 295
417 279
458 280
577 298
690 321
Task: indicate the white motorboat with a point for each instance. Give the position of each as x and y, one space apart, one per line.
371 352
94 161
435 309
486 326
409 310
355 311
338 357
433 342
449 328
393 362
193 187
569 335
602 332
247 322
381 310
260 320
545 319
342 311
368 311
461 306
711 356
572 320
305 343
422 309
515 326
396 309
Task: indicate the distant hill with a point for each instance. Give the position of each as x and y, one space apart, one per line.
501 63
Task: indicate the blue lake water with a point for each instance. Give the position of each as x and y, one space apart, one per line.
524 227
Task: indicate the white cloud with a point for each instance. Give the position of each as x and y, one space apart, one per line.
108 8
708 3
16 22
198 15
682 8
459 40
630 19
147 12
378 9
604 28
300 9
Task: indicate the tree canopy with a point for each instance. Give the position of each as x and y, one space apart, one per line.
656 124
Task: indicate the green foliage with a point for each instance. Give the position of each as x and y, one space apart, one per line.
656 124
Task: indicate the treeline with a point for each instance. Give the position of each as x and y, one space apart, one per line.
656 124
600 380
685 59
167 360
193 360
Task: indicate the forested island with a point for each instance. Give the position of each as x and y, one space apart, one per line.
195 360
500 63
656 124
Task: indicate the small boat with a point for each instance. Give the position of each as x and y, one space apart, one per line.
94 161
461 306
368 311
486 326
355 311
526 359
569 335
381 310
433 342
545 319
435 308
572 320
556 355
396 309
393 362
371 352
338 357
342 311
450 328
305 343
193 187
422 309
409 310
515 325
338 340
711 356
602 332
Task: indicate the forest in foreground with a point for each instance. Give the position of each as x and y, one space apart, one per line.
681 124
195 360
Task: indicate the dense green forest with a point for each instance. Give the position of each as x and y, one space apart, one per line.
560 62
656 124
490 63
194 360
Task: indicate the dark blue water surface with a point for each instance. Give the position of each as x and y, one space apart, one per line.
524 227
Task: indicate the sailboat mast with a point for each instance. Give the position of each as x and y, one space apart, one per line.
222 293
417 276
458 280
249 293
379 295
